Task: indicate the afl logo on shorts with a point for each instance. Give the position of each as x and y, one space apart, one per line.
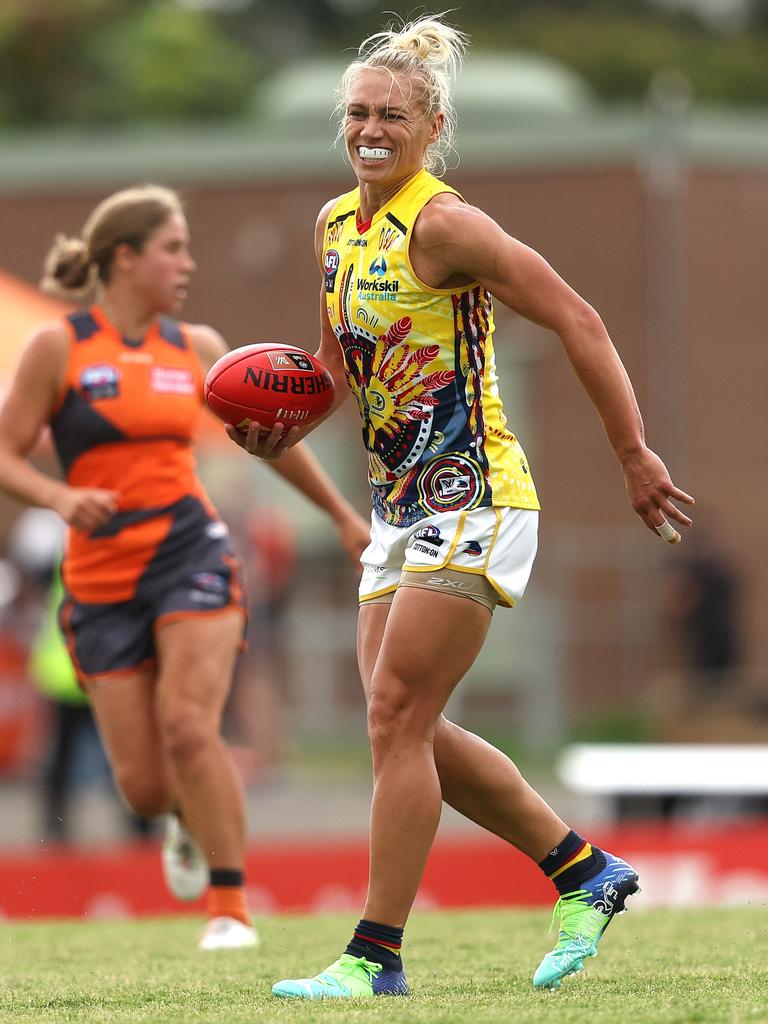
331 267
451 484
430 534
209 588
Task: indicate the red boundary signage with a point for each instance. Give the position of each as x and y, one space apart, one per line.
678 867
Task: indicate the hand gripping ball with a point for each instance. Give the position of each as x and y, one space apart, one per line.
268 383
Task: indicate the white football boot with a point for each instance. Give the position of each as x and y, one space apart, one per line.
184 866
227 933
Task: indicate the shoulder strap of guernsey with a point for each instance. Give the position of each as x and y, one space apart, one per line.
344 207
406 206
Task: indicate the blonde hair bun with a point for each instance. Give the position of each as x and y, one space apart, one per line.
428 38
68 267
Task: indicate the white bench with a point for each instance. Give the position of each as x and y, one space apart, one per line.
631 771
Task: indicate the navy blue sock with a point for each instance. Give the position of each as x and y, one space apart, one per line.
572 862
378 943
230 877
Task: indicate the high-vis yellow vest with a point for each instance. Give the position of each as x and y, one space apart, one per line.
421 366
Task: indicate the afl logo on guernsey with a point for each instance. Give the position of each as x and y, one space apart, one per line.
101 381
331 267
451 484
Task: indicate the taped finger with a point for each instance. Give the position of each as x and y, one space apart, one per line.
667 532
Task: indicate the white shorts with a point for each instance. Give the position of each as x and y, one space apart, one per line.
496 543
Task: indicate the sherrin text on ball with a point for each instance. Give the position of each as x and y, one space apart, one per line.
269 383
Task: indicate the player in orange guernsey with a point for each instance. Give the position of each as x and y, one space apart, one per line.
407 321
154 613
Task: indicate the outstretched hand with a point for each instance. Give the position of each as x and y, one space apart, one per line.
264 443
650 490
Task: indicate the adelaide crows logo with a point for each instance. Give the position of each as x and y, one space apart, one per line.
451 483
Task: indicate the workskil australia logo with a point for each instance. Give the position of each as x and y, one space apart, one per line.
379 289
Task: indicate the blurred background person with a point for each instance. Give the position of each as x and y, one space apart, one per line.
73 757
706 690
153 609
256 715
702 599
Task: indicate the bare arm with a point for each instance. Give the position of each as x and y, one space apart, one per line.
208 344
300 467
26 409
452 238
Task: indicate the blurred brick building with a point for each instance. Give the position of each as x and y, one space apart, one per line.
659 218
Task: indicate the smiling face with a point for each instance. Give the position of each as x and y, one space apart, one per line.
160 271
386 127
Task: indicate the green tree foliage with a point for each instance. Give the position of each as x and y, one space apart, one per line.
759 15
618 55
112 61
616 45
165 63
118 60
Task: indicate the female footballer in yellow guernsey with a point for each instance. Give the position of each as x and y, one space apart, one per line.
407 319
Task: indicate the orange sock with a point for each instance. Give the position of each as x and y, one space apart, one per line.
227 901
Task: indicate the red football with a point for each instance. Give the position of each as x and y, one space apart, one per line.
268 383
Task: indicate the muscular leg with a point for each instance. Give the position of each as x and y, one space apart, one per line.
429 642
124 709
476 779
196 657
485 786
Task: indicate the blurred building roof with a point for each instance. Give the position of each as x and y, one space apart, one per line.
514 110
520 84
488 86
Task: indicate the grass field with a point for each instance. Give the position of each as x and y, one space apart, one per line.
673 966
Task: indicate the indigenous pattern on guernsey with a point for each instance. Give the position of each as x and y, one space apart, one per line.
421 366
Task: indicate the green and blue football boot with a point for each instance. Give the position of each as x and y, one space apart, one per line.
350 977
584 916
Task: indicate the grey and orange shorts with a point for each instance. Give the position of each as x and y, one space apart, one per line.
195 571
